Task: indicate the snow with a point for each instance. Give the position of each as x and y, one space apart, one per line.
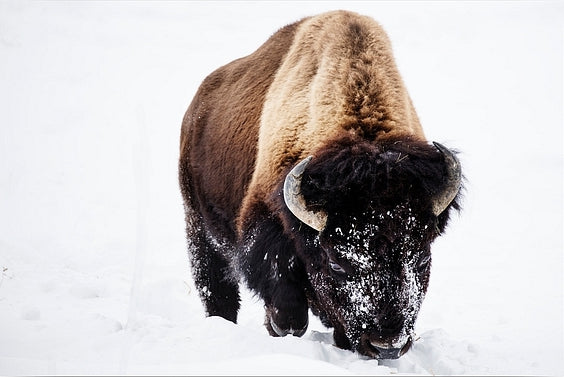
94 276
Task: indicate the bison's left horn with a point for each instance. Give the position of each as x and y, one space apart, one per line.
453 179
296 202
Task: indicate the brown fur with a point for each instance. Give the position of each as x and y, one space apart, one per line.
339 75
218 141
309 82
312 87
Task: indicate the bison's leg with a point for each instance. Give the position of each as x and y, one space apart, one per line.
218 292
272 270
218 289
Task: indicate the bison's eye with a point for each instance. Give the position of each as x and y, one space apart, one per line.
336 267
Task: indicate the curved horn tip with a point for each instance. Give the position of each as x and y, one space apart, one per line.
444 150
296 202
299 169
454 180
450 158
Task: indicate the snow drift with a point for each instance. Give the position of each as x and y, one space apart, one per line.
94 275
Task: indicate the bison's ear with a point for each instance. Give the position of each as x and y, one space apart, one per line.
295 200
453 180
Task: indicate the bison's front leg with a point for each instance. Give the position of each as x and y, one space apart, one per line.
272 270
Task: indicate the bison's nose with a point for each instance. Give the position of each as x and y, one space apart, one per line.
385 352
384 349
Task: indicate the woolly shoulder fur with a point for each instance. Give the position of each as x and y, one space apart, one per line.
338 77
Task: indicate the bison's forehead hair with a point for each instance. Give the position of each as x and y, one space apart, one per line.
350 174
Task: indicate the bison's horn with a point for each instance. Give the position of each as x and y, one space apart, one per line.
295 201
453 179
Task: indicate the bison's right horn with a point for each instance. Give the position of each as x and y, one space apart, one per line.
296 202
454 180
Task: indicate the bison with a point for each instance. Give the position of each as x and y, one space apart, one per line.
305 174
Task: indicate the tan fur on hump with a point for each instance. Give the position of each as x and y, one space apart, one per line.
338 76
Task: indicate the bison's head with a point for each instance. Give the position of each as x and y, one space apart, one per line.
376 208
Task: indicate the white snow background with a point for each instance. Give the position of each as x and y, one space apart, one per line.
94 271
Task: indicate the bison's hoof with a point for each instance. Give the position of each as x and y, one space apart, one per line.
283 332
282 325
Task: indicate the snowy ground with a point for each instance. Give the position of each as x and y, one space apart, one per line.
94 276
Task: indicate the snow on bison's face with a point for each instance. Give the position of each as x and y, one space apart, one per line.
377 209
372 278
